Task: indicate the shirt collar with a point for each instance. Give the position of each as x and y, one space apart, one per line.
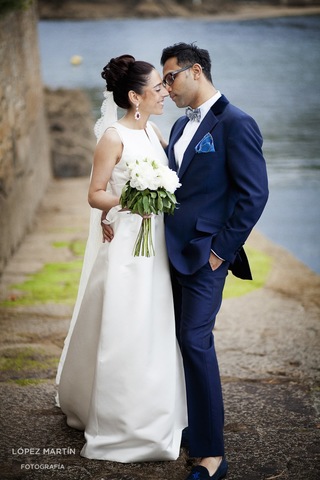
205 107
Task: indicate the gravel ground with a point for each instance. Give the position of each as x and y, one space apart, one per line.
268 347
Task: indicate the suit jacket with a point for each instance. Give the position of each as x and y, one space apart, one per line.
223 193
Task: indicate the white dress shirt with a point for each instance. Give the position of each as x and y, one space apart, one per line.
191 128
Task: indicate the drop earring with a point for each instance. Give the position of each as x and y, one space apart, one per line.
137 115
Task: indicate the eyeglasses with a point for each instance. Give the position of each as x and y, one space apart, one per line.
170 77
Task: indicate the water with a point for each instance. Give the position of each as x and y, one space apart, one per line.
269 68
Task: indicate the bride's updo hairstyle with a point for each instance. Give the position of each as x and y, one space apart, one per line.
123 74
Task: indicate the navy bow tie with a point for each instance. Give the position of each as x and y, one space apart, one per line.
193 114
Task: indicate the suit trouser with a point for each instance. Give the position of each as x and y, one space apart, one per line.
197 300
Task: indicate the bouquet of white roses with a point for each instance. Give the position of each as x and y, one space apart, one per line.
149 190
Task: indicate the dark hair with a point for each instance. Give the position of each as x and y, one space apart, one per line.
123 74
188 53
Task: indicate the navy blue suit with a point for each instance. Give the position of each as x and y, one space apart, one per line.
222 196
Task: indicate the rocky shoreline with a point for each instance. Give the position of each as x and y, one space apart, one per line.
218 10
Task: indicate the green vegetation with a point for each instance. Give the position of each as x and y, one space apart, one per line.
10 5
27 366
76 247
54 283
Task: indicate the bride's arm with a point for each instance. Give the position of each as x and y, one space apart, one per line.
107 154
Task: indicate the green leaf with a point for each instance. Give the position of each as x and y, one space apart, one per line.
139 206
172 197
145 203
160 204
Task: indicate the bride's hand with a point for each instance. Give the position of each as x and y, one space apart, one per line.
107 230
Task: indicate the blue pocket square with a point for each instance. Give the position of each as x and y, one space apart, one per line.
205 145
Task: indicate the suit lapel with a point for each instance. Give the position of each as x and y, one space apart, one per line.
176 134
220 105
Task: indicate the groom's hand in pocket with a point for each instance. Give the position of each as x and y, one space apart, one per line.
214 261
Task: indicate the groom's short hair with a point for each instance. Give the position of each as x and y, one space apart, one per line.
188 53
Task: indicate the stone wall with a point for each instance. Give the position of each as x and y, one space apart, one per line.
70 123
24 147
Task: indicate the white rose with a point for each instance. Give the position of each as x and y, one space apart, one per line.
144 174
169 179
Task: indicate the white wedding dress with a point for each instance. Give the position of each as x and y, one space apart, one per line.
120 375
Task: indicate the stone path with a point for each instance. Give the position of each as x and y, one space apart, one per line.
268 345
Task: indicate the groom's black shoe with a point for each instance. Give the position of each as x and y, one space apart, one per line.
201 473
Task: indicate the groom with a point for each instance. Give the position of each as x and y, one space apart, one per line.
216 151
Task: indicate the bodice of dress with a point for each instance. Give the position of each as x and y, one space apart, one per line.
137 145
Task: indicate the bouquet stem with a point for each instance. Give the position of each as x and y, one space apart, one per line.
144 244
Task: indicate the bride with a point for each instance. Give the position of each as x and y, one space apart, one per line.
120 375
